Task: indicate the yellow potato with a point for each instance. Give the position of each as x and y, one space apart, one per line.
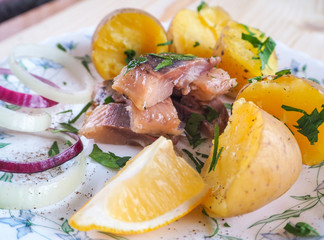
122 30
260 161
292 91
238 56
196 32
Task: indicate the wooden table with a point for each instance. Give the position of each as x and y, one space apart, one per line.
297 23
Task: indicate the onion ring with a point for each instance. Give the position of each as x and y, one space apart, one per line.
29 195
24 122
40 166
25 99
43 89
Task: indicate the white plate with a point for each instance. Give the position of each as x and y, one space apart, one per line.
50 222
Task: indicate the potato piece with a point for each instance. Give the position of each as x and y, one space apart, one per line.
292 91
238 55
121 30
260 161
216 18
196 33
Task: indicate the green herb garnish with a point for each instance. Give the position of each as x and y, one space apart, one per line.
165 43
196 44
215 221
6 177
54 150
2 145
66 128
258 78
215 154
135 62
169 58
130 54
109 99
107 159
191 129
83 110
85 61
60 46
201 5
211 113
226 225
68 142
281 73
198 163
308 124
265 48
301 229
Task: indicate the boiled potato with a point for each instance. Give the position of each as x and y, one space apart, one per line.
292 91
239 57
196 32
127 29
260 161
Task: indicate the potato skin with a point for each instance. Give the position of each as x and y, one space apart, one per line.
256 166
121 30
296 92
238 55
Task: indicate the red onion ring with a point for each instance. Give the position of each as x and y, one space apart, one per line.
25 99
40 166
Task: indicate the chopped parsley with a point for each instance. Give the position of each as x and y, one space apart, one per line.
85 61
308 124
215 154
215 221
201 6
165 43
265 48
198 163
257 79
66 128
226 225
196 44
107 159
83 110
60 46
109 99
211 113
191 129
135 62
281 73
130 54
301 229
2 145
54 150
168 59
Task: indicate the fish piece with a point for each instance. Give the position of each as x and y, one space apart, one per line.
103 90
211 84
110 123
145 86
160 119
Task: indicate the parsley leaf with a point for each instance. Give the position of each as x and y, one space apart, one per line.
54 150
109 99
198 163
264 55
83 110
301 229
215 221
168 58
308 124
191 129
60 46
130 54
135 62
201 5
107 159
196 44
211 113
2 145
66 128
164 63
251 39
215 155
165 43
258 78
282 72
248 29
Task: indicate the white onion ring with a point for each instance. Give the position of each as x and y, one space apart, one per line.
24 122
16 195
28 196
56 55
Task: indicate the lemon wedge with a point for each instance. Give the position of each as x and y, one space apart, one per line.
155 188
